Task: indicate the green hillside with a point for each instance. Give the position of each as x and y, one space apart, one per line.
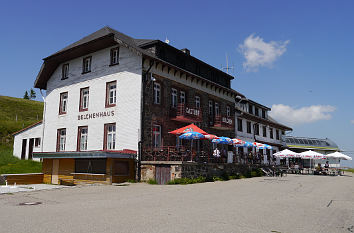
16 114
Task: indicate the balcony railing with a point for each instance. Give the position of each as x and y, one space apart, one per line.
187 114
223 122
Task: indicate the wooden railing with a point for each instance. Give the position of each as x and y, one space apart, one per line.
185 113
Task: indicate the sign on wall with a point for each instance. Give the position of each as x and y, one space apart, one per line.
94 115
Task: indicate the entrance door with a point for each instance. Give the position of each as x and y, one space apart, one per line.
23 152
163 174
30 148
55 171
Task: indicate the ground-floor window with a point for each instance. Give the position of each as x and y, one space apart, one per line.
92 166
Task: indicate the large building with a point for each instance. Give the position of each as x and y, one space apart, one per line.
109 95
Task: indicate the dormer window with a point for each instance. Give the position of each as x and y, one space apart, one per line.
263 114
256 112
114 56
86 65
250 109
65 71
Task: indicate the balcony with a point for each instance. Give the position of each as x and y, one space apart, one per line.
186 114
223 123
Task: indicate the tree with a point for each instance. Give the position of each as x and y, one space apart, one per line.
26 97
32 94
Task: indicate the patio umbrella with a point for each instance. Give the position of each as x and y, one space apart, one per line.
312 155
338 155
210 136
222 140
237 141
192 136
188 128
286 154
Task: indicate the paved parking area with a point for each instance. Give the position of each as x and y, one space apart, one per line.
296 203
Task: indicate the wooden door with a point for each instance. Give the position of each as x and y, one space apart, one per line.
163 174
30 148
55 171
23 152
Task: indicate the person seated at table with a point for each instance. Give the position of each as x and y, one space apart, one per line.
326 165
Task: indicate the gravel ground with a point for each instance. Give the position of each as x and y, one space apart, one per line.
290 204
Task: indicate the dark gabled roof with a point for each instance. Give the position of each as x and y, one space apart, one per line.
270 121
103 38
96 35
258 104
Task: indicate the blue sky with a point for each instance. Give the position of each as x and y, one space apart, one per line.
296 56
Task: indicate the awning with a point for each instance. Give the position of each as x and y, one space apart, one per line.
126 154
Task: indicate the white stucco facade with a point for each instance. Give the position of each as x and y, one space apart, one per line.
22 144
125 114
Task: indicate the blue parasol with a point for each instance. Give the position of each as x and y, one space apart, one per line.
222 140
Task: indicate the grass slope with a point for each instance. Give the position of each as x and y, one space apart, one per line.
16 114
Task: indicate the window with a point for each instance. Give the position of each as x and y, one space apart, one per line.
250 109
256 127
157 93
217 109
174 98
197 102
82 138
263 114
63 105
249 127
86 65
277 134
61 139
84 99
110 137
114 56
228 112
264 131
271 133
111 94
91 166
65 71
156 136
37 142
211 108
182 97
256 111
121 168
239 124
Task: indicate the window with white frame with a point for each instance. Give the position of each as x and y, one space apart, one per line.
217 112
65 71
174 98
83 133
156 136
111 94
182 97
110 136
63 103
197 102
61 140
211 107
228 112
114 56
157 93
84 99
86 65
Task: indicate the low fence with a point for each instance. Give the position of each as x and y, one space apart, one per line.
29 178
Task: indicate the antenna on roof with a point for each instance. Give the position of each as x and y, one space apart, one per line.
167 41
227 68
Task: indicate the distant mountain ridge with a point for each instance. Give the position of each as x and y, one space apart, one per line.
16 114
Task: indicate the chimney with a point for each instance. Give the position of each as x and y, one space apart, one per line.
186 51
